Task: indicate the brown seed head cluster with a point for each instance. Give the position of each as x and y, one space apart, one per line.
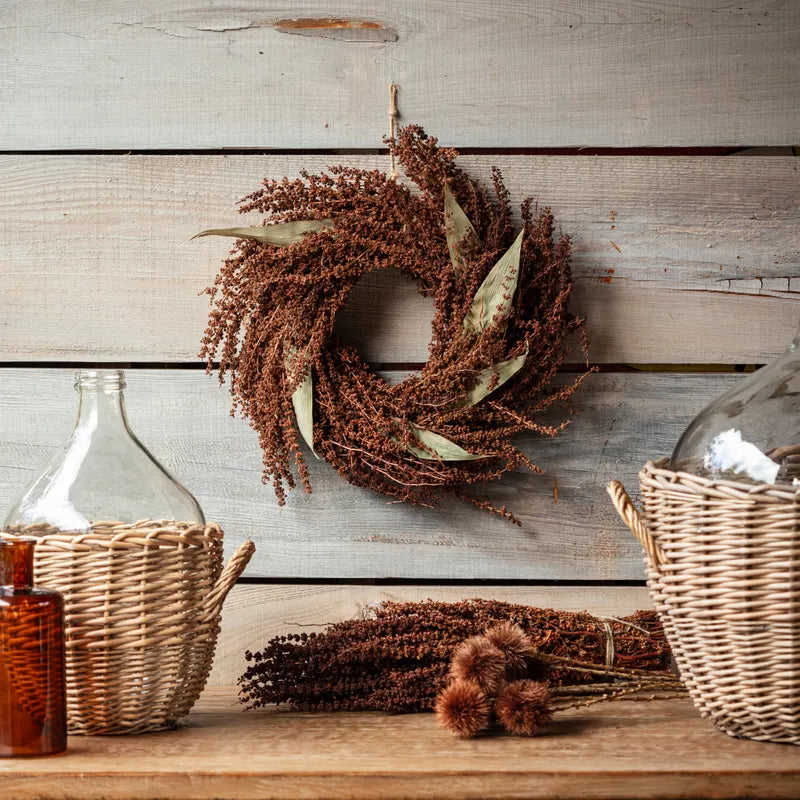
480 696
463 708
518 652
524 707
482 670
277 305
478 661
398 660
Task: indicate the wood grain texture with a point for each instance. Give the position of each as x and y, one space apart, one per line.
624 750
182 74
254 614
341 531
677 260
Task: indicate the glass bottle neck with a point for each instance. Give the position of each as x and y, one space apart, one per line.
102 401
16 563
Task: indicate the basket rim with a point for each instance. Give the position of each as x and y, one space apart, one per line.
657 471
108 535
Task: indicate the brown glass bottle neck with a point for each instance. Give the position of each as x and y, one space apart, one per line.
16 563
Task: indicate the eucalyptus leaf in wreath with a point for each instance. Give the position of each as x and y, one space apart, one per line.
443 449
458 230
493 378
496 294
280 235
303 403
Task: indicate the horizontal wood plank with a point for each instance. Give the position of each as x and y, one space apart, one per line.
182 74
254 614
341 531
677 260
623 749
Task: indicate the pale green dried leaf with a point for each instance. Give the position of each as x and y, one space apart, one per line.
458 229
303 403
280 235
496 294
504 370
444 449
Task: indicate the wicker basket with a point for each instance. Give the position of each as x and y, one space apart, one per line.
142 606
723 562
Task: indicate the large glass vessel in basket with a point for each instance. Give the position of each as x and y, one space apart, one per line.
751 433
102 473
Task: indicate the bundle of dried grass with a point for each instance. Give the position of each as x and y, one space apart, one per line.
398 660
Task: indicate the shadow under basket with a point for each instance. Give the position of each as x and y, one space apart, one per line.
142 606
723 564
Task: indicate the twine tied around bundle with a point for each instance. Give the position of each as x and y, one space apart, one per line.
611 651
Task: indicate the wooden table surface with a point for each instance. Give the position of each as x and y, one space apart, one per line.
626 749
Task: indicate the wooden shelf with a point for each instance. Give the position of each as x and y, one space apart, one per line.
623 750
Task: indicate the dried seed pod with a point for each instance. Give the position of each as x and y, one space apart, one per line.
517 647
462 708
523 707
476 659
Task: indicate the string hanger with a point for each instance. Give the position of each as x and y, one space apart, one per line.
393 173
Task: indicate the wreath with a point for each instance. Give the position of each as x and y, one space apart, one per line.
499 333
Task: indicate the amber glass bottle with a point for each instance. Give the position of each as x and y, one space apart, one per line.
33 719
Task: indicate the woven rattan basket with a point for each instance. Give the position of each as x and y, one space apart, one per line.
142 606
723 562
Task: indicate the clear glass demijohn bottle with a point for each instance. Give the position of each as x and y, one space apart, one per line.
751 433
102 472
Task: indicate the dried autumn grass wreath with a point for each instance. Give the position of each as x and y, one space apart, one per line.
499 332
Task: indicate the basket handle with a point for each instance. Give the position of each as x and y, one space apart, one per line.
632 518
212 605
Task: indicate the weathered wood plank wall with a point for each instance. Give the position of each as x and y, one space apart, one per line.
699 265
341 531
550 73
677 260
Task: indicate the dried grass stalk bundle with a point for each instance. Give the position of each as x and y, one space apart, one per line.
500 328
398 659
483 694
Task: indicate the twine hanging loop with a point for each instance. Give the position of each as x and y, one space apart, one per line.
393 173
